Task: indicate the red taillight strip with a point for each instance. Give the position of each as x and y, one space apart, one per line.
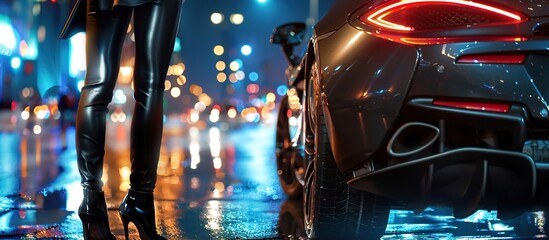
480 106
494 59
443 40
377 17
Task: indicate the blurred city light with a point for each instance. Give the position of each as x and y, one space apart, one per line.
281 90
232 113
246 50
200 106
177 45
77 63
126 71
252 88
37 129
119 97
216 18
15 62
194 146
36 9
41 34
178 69
194 116
218 50
235 65
25 114
195 90
253 76
80 85
204 98
221 77
118 117
181 80
232 78
237 18
240 75
28 50
175 92
8 40
271 97
220 66
27 92
214 115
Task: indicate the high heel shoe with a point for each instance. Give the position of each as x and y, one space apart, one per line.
94 216
138 207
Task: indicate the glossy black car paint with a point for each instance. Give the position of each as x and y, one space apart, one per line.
373 84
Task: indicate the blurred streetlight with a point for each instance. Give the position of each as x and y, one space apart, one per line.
237 18
246 50
216 18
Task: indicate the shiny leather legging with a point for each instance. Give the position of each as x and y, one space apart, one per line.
155 27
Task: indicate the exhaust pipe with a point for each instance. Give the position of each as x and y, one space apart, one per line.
412 138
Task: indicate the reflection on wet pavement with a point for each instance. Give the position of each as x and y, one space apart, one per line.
213 183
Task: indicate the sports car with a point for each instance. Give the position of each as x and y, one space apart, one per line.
414 103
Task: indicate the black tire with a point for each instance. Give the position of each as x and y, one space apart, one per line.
288 161
332 209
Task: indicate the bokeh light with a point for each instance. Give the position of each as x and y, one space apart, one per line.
175 92
221 77
216 18
218 50
220 66
240 75
253 76
281 90
235 65
15 62
181 80
237 18
246 50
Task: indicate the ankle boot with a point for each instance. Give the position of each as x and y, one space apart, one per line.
93 213
138 207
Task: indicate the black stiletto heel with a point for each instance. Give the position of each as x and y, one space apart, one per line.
94 217
125 222
138 207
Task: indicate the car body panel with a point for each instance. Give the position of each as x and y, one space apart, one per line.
365 79
532 8
440 76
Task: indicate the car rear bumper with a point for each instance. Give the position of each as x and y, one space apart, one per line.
466 179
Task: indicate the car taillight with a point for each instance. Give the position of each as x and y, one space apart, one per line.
479 106
494 59
424 15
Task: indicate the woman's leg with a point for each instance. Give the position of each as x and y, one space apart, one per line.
155 25
105 33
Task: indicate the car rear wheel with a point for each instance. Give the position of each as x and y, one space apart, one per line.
332 209
288 161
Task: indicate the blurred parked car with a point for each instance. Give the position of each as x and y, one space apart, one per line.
413 103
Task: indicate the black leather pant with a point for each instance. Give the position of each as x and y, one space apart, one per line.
155 27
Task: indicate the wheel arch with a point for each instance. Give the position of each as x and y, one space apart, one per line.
362 82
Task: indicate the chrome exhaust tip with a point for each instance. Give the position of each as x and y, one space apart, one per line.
412 138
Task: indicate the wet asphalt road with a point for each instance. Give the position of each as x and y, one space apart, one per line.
215 182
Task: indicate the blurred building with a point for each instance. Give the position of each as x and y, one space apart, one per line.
31 55
222 53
